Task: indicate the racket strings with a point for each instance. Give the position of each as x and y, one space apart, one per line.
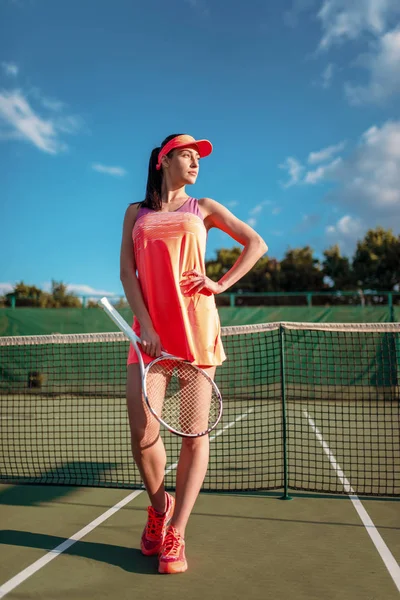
182 396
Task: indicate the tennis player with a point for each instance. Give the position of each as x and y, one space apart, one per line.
164 278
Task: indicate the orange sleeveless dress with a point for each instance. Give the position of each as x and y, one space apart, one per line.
166 244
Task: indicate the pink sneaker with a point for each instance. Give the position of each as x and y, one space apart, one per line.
154 532
172 557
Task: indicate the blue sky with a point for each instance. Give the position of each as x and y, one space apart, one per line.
300 99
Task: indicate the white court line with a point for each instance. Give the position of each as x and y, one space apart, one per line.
385 554
15 581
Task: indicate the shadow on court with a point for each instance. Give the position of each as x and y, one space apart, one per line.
35 495
128 559
286 520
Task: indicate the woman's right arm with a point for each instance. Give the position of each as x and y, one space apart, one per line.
150 340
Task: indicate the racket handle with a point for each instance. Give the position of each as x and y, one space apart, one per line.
119 321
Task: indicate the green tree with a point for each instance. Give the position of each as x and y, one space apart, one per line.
32 296
376 263
261 278
122 303
300 271
61 297
224 261
265 276
28 295
338 268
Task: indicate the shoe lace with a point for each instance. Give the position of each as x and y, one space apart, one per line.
155 524
172 543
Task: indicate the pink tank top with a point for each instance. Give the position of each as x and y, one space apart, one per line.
190 206
166 244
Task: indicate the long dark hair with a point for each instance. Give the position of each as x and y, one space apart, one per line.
155 178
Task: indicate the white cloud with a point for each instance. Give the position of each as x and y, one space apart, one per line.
347 225
384 67
5 288
232 204
252 222
366 185
86 290
327 76
324 172
256 210
48 103
294 169
80 290
368 179
343 20
373 20
54 105
276 211
314 177
115 171
69 124
346 232
325 153
75 288
10 69
24 123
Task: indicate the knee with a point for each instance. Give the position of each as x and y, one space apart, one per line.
196 444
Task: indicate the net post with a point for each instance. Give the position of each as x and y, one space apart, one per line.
391 310
286 495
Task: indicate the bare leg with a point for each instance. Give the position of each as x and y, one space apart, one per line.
192 468
147 446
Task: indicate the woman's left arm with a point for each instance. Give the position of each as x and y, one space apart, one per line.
216 215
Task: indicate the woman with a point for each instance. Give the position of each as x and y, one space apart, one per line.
163 275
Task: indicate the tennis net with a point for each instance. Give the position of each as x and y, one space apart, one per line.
307 406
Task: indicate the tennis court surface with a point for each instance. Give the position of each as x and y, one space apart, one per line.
311 411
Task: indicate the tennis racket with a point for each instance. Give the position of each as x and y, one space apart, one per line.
181 396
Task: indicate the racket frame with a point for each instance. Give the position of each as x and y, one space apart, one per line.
144 369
